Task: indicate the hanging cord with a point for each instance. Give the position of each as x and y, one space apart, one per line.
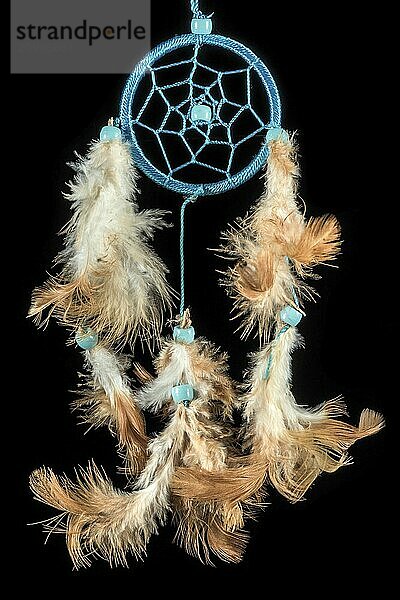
191 199
194 5
197 14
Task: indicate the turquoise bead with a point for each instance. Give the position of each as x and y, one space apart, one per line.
201 26
182 393
201 112
291 316
277 133
185 335
109 132
87 339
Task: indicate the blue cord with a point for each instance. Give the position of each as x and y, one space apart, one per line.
214 95
182 251
279 333
194 5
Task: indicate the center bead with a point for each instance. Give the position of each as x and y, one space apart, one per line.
201 112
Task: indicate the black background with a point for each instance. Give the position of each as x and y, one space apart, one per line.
321 63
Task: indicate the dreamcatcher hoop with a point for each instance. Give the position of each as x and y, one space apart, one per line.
129 125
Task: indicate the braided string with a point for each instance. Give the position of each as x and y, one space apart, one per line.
194 5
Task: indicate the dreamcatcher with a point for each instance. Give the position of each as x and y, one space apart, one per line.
200 115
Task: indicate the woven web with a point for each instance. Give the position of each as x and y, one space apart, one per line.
203 85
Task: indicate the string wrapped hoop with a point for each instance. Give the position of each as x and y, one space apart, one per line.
197 112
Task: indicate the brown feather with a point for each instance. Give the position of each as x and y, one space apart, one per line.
124 420
304 455
93 515
321 447
93 299
233 484
261 282
256 276
283 155
212 365
70 302
316 242
210 528
228 545
141 373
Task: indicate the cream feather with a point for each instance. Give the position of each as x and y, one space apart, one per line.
296 443
204 528
108 400
103 521
200 365
293 442
175 368
287 443
272 238
111 279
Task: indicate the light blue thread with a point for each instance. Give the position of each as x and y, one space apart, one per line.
182 251
295 298
194 5
132 116
197 13
281 332
270 358
268 366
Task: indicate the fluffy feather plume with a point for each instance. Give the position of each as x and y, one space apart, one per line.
108 400
100 520
111 279
203 528
199 364
241 483
289 445
295 443
273 236
112 282
308 244
210 528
